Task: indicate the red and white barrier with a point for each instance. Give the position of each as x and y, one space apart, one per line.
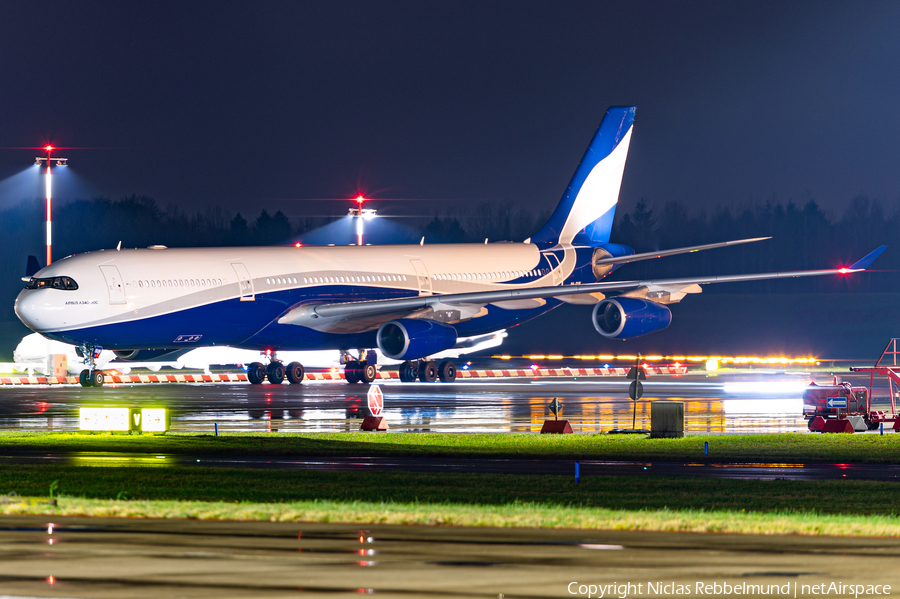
127 378
336 375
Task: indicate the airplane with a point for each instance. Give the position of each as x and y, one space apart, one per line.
409 301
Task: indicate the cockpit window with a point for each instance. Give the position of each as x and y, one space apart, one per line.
66 283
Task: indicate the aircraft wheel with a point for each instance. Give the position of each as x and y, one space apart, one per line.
275 373
256 373
295 373
97 378
428 373
368 373
351 372
84 378
408 372
447 371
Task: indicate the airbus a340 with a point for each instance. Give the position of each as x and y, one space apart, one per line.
410 301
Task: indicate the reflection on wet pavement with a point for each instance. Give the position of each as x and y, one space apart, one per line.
514 405
104 557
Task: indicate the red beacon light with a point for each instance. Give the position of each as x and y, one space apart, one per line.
49 148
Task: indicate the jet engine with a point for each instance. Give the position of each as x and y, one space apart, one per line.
410 339
626 317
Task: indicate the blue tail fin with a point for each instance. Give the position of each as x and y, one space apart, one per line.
586 211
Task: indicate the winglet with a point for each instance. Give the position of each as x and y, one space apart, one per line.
867 261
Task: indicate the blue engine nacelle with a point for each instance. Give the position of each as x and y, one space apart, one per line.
626 317
409 339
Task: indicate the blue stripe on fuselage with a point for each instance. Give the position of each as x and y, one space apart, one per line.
253 325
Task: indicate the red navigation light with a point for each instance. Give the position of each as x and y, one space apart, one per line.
844 270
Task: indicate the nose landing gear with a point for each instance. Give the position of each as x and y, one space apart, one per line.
90 377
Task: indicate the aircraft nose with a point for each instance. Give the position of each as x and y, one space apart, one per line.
28 310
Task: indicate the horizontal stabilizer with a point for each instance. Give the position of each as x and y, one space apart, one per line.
866 262
672 252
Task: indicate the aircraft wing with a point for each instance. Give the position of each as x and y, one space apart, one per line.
345 310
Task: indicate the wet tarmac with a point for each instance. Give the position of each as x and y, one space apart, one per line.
730 403
542 467
127 558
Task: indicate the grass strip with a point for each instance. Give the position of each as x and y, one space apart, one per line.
448 514
236 485
785 447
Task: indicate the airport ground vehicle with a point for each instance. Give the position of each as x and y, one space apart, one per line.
826 405
839 401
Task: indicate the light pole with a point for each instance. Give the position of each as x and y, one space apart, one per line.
361 214
59 162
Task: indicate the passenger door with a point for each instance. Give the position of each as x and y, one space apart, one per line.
245 283
553 261
422 276
113 284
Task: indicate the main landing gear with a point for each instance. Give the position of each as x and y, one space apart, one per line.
428 371
275 372
360 370
91 377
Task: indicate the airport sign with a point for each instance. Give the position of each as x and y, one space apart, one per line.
635 390
375 400
555 406
837 402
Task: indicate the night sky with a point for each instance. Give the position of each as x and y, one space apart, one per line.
257 104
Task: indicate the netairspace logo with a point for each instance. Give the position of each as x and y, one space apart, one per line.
717 589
